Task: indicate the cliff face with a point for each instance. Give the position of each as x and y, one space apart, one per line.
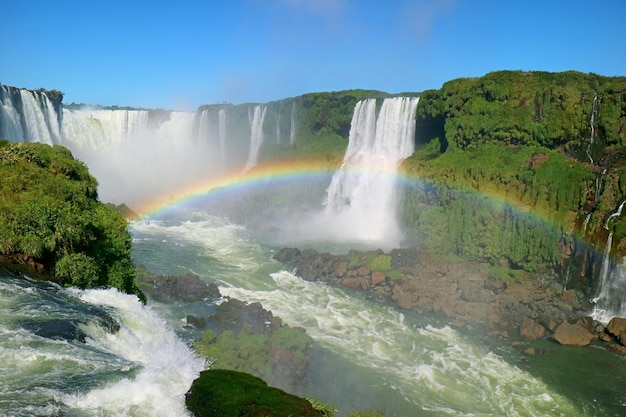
525 169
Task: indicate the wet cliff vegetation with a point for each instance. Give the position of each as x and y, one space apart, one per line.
521 169
52 223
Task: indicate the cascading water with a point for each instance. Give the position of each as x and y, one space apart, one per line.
592 123
611 299
221 120
362 194
37 121
65 352
98 130
10 119
292 131
256 136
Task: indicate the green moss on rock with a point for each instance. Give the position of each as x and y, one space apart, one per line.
225 393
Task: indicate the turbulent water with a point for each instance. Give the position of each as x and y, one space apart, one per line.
366 353
101 353
87 353
369 354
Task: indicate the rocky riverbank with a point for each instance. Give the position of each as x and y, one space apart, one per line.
239 336
514 307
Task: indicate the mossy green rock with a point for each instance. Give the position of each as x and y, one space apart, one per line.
224 393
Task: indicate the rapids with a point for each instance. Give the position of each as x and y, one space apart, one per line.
368 353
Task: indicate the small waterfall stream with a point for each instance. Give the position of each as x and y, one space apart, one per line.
256 135
611 299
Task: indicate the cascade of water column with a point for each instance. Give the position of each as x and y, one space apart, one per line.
292 132
611 299
256 136
28 116
592 123
361 198
221 119
278 129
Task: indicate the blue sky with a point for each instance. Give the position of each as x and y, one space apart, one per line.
181 54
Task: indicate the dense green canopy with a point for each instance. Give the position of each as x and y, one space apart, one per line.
52 221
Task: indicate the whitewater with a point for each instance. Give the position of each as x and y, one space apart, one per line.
101 353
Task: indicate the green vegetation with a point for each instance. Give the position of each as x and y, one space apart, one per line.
226 393
380 263
256 353
501 273
525 108
506 175
52 222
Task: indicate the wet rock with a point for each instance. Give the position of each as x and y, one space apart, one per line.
188 287
618 349
530 351
572 334
617 327
378 278
570 297
531 330
226 393
56 329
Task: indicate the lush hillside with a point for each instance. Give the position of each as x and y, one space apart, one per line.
52 224
517 166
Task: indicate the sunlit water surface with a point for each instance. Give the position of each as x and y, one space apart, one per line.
370 354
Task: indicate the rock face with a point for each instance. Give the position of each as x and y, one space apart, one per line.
246 337
572 334
617 328
461 293
235 394
188 287
531 330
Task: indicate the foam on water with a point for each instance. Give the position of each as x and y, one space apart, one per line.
435 369
143 369
167 364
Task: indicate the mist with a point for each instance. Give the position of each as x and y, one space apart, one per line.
145 160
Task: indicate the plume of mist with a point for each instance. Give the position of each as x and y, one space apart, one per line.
152 163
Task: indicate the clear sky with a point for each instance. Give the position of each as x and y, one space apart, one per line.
179 54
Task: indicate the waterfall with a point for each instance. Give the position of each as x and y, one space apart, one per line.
362 193
221 118
292 133
102 129
10 120
256 135
28 116
611 299
592 123
586 222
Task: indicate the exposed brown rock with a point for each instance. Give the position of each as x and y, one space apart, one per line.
377 278
572 334
617 327
531 330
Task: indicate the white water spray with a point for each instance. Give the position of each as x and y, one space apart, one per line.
168 366
361 199
256 136
221 120
611 299
292 132
592 123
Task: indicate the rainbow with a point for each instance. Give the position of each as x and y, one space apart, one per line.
293 170
261 174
